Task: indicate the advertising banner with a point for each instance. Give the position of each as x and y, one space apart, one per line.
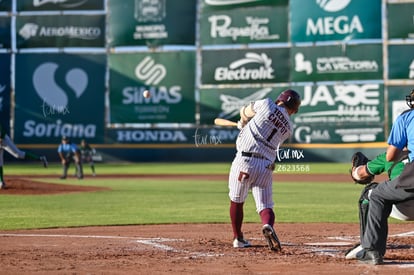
61 5
59 95
151 23
327 63
400 19
264 65
5 5
343 20
401 61
5 90
192 137
354 112
243 24
60 31
226 102
168 76
5 35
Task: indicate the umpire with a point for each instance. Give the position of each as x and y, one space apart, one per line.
69 152
386 194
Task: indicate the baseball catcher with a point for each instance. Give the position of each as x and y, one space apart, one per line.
363 172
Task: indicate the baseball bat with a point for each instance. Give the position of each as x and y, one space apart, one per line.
224 122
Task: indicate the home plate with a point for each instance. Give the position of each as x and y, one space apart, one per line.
329 244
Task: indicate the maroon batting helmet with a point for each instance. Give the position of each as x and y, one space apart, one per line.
290 98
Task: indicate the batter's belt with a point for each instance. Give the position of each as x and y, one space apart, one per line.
252 155
258 156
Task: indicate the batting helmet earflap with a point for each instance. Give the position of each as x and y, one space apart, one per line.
410 99
290 98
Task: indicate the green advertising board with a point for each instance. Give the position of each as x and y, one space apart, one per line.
400 20
5 5
401 61
354 112
226 102
243 24
5 36
151 23
342 20
170 78
5 90
228 66
61 5
59 95
59 31
339 62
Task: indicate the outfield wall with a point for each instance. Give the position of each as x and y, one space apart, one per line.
79 69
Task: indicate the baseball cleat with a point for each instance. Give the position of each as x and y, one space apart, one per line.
351 253
2 185
44 161
367 256
241 243
271 238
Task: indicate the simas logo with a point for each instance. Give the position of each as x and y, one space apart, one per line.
237 71
231 105
330 25
62 3
149 10
333 5
55 99
149 72
334 64
30 30
256 29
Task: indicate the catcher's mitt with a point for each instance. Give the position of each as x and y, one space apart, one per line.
359 159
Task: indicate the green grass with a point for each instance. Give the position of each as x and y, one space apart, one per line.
149 201
162 168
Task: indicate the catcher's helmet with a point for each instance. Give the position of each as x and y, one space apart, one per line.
410 99
291 99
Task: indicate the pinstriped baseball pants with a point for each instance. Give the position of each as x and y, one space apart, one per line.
250 173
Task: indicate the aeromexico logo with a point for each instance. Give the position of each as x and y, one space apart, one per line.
30 30
62 3
243 69
55 98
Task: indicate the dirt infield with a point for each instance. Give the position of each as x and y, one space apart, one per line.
316 248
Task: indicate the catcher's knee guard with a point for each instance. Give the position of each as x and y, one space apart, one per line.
364 205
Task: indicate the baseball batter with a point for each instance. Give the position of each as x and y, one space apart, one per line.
264 125
388 193
7 144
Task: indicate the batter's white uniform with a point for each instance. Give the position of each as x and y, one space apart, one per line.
257 145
